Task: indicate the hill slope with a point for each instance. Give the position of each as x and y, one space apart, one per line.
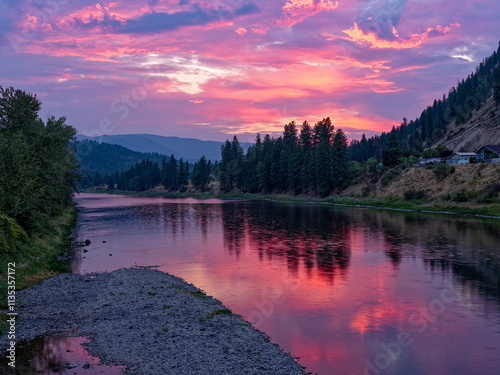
189 149
105 158
473 187
483 128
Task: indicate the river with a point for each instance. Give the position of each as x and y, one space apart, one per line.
348 290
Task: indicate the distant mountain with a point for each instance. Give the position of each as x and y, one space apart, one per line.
105 158
187 148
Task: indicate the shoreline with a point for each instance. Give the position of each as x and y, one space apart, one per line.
151 322
391 204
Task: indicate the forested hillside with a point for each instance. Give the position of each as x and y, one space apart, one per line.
38 166
106 158
473 103
38 175
186 148
318 160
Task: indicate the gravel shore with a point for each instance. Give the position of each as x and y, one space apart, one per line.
150 321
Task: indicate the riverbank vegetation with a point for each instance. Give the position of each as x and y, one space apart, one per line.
38 175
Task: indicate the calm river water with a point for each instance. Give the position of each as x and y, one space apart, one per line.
348 290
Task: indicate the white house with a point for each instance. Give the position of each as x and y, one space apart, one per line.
460 158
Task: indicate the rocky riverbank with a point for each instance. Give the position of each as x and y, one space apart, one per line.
151 322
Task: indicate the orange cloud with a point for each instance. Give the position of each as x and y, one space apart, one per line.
355 34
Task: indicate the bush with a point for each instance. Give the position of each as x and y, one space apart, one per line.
460 197
413 194
371 165
485 198
390 175
183 188
492 190
442 170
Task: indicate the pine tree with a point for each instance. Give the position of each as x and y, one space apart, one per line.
323 131
307 170
340 159
392 152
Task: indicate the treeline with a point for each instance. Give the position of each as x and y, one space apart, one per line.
106 158
38 167
468 96
311 160
174 175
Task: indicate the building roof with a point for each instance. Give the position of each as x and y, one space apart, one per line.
494 148
464 154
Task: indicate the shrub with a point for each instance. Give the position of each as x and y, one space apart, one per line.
371 165
492 190
182 188
390 175
460 197
485 198
447 197
441 170
413 194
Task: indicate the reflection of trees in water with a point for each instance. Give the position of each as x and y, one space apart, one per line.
467 247
311 235
233 222
205 215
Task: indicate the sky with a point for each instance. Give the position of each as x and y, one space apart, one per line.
211 69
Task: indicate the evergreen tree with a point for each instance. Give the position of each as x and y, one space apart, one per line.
392 152
307 170
323 131
340 159
226 177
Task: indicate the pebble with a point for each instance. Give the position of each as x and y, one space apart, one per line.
151 322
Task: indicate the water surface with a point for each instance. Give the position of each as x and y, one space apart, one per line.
348 290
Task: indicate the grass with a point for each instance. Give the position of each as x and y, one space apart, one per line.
197 294
36 256
223 312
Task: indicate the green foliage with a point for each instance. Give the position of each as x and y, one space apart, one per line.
105 158
201 174
231 166
314 162
413 194
392 153
371 165
391 175
11 235
433 123
38 167
142 176
442 170
355 170
460 196
340 159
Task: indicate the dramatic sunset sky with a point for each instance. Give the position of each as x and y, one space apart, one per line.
209 69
